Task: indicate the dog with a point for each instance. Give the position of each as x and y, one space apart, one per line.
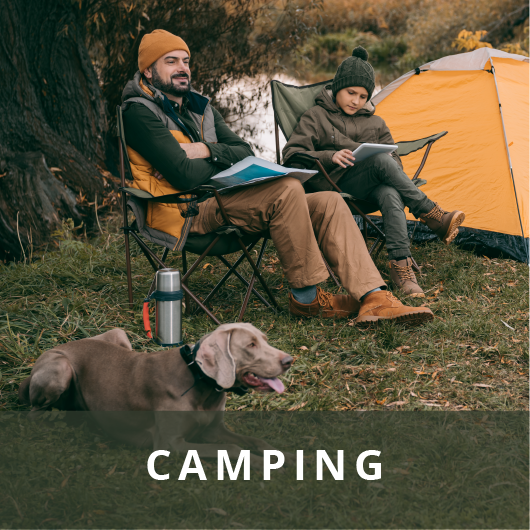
103 374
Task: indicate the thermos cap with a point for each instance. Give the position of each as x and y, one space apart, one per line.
167 280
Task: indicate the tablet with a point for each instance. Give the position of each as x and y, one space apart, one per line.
365 151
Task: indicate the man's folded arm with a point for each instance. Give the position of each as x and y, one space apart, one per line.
230 148
147 135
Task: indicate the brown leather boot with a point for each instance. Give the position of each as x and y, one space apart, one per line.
443 224
383 305
403 277
326 305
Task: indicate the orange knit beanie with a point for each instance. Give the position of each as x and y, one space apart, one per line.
156 44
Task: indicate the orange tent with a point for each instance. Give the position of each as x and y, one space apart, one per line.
481 166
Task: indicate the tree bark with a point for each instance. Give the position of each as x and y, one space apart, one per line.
52 123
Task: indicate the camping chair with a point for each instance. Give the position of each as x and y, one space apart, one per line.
226 240
289 103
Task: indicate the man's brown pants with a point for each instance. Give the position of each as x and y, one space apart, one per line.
300 226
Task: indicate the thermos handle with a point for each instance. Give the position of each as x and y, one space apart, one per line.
162 296
147 323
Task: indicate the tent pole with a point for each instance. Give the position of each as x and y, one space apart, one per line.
509 157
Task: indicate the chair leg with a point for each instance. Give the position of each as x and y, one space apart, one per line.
154 259
333 277
200 258
187 299
232 270
129 273
258 274
200 304
365 231
252 281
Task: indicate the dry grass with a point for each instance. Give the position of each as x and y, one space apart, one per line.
474 356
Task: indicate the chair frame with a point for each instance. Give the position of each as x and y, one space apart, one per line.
158 263
381 238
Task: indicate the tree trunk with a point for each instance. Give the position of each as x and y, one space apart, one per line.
52 123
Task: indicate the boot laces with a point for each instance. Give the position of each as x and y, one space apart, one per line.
324 298
392 298
436 213
405 272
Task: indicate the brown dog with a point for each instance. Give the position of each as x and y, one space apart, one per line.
104 374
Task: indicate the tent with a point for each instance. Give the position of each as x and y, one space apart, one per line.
481 166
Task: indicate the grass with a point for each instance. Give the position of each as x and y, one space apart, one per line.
474 356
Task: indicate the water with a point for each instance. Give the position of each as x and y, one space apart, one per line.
257 126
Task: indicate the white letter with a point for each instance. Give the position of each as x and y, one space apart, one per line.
267 466
375 467
151 465
192 455
222 458
322 456
299 465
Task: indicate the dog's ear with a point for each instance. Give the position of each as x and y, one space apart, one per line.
115 336
215 359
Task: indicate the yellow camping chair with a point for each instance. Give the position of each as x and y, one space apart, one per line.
226 240
289 104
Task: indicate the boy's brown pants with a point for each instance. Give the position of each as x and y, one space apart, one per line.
300 226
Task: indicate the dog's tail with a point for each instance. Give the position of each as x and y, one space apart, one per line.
23 391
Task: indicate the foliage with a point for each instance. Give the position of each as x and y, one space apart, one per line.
473 356
228 39
402 34
432 28
469 41
520 48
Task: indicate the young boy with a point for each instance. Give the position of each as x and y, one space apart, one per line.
342 120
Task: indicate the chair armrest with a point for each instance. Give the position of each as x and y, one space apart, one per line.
407 147
320 167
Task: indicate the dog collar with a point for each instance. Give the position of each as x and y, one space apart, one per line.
190 358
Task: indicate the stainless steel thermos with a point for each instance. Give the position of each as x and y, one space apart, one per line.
168 308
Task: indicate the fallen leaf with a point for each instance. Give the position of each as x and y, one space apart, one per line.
482 385
304 348
396 403
55 169
507 325
296 407
111 472
401 471
207 265
65 481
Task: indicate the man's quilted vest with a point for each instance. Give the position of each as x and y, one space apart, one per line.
166 218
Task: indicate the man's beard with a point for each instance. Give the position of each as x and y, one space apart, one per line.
169 88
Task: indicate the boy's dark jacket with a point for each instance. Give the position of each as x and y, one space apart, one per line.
325 129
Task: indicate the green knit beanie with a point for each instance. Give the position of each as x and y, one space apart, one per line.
355 71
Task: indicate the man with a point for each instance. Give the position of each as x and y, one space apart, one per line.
170 127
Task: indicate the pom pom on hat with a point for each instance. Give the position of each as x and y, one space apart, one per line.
360 52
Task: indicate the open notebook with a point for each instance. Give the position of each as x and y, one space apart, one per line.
252 170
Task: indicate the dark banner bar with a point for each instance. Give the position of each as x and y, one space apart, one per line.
340 470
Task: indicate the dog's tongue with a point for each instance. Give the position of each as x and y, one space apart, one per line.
274 383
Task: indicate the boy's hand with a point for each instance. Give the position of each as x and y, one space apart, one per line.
343 158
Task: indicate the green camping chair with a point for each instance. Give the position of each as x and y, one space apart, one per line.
227 240
290 102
